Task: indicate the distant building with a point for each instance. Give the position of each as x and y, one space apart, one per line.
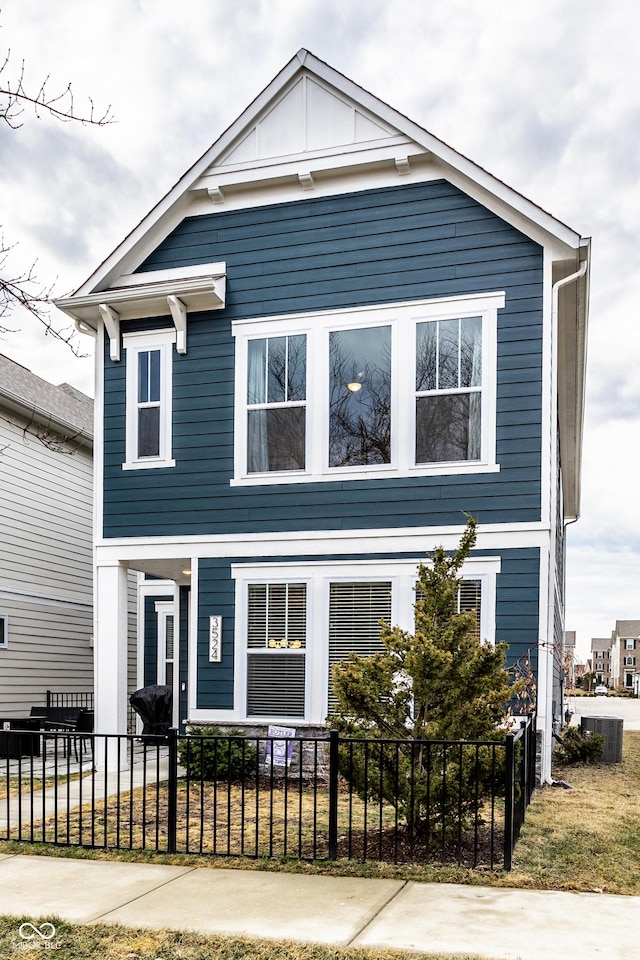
625 656
601 659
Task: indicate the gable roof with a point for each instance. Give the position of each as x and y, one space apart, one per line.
62 408
309 121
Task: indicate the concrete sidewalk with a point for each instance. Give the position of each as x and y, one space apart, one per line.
447 918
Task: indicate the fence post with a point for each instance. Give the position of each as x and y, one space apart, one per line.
333 795
172 800
509 784
524 775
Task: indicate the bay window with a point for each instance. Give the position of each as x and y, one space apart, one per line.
400 389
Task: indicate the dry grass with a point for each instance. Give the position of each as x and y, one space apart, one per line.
102 942
586 838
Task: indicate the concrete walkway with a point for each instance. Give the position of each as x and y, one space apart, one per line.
72 794
426 917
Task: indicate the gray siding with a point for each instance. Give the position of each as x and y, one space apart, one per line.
45 568
404 243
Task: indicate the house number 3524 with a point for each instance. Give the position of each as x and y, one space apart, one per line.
215 639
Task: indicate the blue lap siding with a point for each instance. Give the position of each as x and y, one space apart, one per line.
409 242
517 615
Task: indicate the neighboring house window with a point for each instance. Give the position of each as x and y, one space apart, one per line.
629 644
295 621
149 406
404 389
276 407
276 642
4 630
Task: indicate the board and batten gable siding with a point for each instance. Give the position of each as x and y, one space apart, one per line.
412 242
517 613
46 578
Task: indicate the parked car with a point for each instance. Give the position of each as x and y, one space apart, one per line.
601 690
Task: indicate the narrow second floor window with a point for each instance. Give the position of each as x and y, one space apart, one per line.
149 403
149 399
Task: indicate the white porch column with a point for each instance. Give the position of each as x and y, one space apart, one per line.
110 648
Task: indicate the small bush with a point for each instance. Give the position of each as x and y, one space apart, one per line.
210 753
576 747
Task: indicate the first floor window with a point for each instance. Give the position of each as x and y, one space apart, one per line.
4 630
276 646
148 389
355 612
295 621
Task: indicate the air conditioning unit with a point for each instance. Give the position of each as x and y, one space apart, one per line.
611 729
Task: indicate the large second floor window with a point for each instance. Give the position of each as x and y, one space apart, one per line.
397 389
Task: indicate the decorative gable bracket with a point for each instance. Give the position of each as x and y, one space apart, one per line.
156 294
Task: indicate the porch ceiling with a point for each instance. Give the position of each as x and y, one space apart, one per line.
169 569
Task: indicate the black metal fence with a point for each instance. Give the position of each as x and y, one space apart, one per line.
451 802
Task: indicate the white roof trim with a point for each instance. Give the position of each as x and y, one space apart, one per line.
168 212
168 294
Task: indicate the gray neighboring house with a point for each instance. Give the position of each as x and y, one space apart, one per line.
46 527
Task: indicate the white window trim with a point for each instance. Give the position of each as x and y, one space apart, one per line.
5 621
403 318
135 343
401 573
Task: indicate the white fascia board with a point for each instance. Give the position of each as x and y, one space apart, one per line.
151 299
171 208
456 161
415 540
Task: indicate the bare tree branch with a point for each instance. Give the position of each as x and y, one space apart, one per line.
15 95
22 288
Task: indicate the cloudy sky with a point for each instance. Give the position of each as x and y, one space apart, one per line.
545 95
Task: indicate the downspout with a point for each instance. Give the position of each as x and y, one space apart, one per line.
555 293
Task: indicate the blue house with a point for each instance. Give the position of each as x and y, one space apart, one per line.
333 338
